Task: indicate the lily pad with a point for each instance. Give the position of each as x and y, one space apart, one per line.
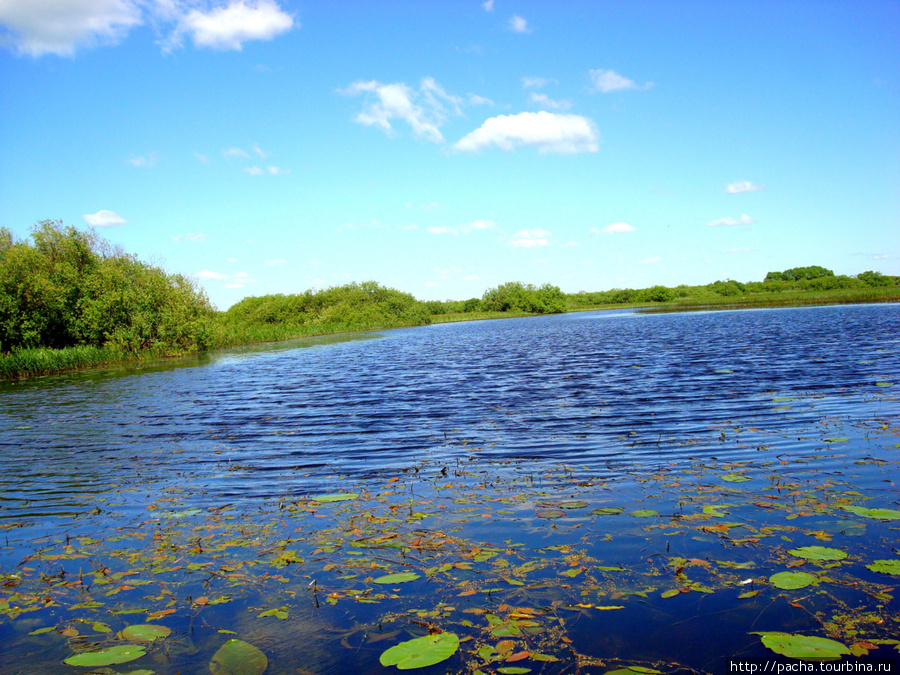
818 553
107 657
421 652
885 566
793 580
550 513
145 632
237 657
340 497
572 504
878 514
396 578
607 511
632 670
803 646
884 384
645 513
735 478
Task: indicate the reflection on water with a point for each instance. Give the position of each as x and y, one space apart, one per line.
607 391
621 400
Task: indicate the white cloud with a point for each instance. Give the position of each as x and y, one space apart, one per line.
652 260
144 162
209 274
190 237
475 99
259 152
230 27
731 222
517 24
545 101
530 238
548 132
104 218
424 110
254 171
615 228
276 171
234 152
742 186
607 81
488 5
444 230
534 82
37 27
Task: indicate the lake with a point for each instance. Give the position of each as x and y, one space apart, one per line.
580 493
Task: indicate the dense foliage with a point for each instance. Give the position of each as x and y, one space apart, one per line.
69 288
356 306
517 297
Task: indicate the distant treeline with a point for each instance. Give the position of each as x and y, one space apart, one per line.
797 279
69 298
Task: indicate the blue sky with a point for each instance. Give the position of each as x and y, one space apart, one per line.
271 146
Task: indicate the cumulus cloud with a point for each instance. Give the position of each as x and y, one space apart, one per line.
209 274
546 102
530 238
534 82
517 24
617 228
731 222
190 237
38 27
254 171
230 27
651 260
234 152
425 109
742 186
607 81
104 218
548 132
480 225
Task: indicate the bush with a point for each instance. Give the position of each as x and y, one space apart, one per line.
514 296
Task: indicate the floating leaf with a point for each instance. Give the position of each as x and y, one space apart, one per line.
884 384
735 478
421 652
550 513
671 593
513 670
607 511
835 440
883 566
41 631
145 632
645 513
803 647
237 657
724 371
631 670
341 497
397 578
572 504
748 594
107 657
792 580
277 613
818 553
879 514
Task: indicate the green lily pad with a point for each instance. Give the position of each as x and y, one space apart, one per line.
607 511
879 514
803 646
107 657
818 553
836 440
735 478
397 578
237 657
883 566
793 580
550 513
421 652
884 384
632 670
724 371
572 504
645 513
671 593
340 497
145 632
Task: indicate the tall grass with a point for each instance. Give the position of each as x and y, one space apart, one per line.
42 361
